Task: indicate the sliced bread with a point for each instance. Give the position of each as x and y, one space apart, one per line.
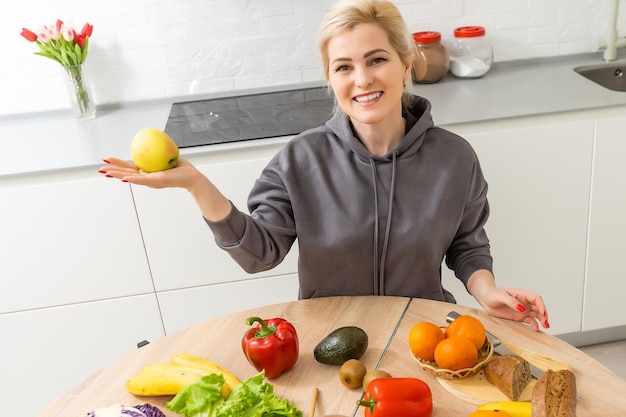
510 373
554 395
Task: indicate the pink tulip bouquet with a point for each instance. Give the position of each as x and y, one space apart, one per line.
61 42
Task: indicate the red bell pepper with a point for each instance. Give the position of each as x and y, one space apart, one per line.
394 397
271 345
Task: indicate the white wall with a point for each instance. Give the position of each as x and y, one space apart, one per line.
154 49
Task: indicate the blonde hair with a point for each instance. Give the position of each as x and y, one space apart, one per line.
346 14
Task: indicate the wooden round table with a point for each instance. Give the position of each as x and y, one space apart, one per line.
386 320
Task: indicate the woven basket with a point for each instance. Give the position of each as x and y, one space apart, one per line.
484 355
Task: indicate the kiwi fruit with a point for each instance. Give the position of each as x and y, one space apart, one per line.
352 373
373 374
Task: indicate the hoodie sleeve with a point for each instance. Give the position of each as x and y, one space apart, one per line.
259 241
470 250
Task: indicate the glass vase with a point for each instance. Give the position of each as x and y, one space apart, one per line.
79 91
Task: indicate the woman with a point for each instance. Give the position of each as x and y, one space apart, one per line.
377 198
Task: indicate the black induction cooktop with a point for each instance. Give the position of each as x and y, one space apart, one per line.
248 117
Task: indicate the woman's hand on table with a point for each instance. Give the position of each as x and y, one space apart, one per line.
508 303
517 304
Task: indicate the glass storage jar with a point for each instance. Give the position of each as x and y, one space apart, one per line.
471 55
431 62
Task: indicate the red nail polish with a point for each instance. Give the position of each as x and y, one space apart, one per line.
109 176
547 324
102 171
106 161
521 308
124 180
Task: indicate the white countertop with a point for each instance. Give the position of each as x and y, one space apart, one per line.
58 141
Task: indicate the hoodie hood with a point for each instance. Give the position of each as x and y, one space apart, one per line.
418 121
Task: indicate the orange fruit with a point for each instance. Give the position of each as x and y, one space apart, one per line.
469 327
456 353
489 413
423 338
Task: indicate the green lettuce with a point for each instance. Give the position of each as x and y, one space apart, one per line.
252 398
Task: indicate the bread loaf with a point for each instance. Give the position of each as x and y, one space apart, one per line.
510 373
554 395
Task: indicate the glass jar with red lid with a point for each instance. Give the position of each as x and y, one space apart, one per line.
431 61
471 54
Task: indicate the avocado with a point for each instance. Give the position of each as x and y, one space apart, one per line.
340 345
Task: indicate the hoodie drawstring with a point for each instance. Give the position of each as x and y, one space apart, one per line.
379 270
375 257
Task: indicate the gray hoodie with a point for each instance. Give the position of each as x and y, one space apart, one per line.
366 224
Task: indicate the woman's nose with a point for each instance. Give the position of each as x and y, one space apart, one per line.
362 77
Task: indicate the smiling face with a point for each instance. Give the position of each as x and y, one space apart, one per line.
366 74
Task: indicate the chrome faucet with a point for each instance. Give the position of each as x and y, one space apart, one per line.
610 53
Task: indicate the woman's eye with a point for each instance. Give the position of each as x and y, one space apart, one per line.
342 68
378 60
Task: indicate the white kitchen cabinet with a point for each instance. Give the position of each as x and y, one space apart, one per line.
70 251
45 352
538 171
68 237
180 246
190 306
605 285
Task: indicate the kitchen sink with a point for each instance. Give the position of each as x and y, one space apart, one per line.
610 75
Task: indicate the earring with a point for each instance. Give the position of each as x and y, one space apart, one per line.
403 82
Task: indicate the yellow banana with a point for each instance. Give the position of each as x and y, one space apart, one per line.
159 368
206 367
169 378
161 380
512 408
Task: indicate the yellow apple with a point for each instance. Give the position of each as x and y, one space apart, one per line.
153 150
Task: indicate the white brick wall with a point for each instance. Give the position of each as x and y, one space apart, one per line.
152 49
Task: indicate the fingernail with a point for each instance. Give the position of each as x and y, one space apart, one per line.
545 314
123 180
102 171
109 176
546 324
521 308
106 161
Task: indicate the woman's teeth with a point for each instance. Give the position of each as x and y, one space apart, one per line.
369 97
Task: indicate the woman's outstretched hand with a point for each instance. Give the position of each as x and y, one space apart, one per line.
182 175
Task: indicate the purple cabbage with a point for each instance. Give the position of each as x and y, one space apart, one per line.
143 410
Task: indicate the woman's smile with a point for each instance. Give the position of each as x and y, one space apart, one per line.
369 98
